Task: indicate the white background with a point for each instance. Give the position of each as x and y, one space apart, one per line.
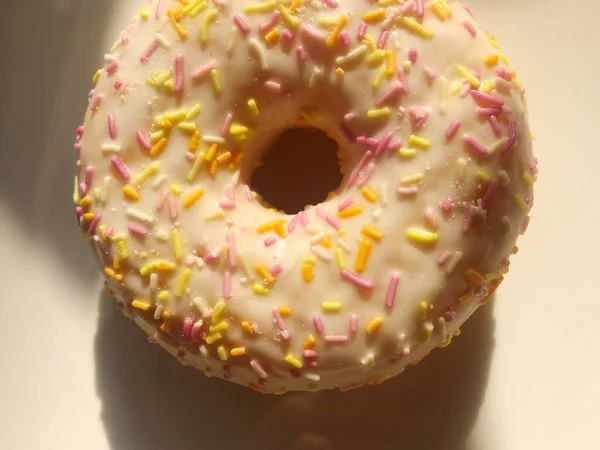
75 374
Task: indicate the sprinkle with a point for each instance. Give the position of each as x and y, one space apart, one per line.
390 295
356 280
431 219
260 51
285 334
241 24
141 304
216 80
415 178
161 265
340 24
421 236
407 191
487 99
331 307
522 203
316 74
395 90
179 73
203 71
340 258
415 27
362 257
226 288
378 113
212 338
209 17
182 283
452 129
258 369
143 141
335 338
159 147
512 139
318 323
193 197
470 28
260 8
131 193
120 167
272 36
259 289
473 81
112 126
453 262
291 359
475 146
145 56
419 142
374 325
263 272
352 55
350 212
496 127
372 232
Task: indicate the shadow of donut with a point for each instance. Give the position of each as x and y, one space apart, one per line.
151 402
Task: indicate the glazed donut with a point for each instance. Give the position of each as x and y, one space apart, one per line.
437 176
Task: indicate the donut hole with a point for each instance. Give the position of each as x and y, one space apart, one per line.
300 168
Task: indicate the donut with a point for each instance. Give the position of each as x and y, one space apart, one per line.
437 175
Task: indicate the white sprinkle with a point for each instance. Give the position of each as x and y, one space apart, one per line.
162 40
118 237
236 178
376 214
213 139
351 55
160 309
153 281
462 167
321 253
203 351
504 178
233 35
453 261
201 306
368 361
110 57
159 181
312 376
105 186
316 74
343 245
111 148
138 215
317 238
162 235
97 194
260 50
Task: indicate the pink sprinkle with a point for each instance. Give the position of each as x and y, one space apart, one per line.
227 204
342 206
420 8
96 102
447 205
83 188
210 257
313 34
94 224
89 175
285 333
489 193
241 24
467 9
79 131
502 84
187 329
248 193
383 144
318 323
418 115
431 219
495 124
138 230
79 213
412 55
504 74
320 210
343 245
112 67
366 176
349 117
356 280
143 140
302 53
112 126
273 86
368 141
512 139
391 93
465 90
361 31
333 221
276 270
120 166
270 22
271 240
231 251
161 200
406 191
347 133
159 8
525 224
229 192
331 3
126 34
196 329
382 39
258 369
203 70
390 295
407 8
444 257
149 51
173 208
109 232
191 260
345 39
470 28
429 74
402 78
291 226
336 338
179 73
353 322
189 156
452 129
361 165
475 147
395 145
287 35
77 146
227 285
487 99
118 84
309 354
304 218
469 218
226 124
226 371
487 112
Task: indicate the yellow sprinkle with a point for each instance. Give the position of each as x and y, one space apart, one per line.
116 264
327 243
291 359
369 194
176 189
407 152
196 166
422 310
378 113
216 80
212 338
412 179
76 190
364 251
378 78
528 179
169 85
150 170
310 259
327 21
265 273
97 76
373 232
194 141
217 311
177 244
236 129
272 37
184 279
482 176
223 157
488 86
212 151
285 311
221 326
159 147
187 126
350 211
419 142
213 167
175 116
193 112
376 57
390 62
455 87
181 31
331 307
339 72
88 216
442 12
375 16
307 273
473 81
131 193
374 325
340 258
496 145
524 206
247 327
253 106
193 197
287 16
415 27
421 236
258 8
157 135
122 247
238 351
259 289
503 58
370 42
209 17
141 304
491 60
85 201
198 9
339 26
269 226
222 353
112 274
163 296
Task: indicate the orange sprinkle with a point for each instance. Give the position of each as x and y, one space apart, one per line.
364 251
85 201
374 325
350 212
141 304
111 273
131 193
475 276
327 243
272 37
193 197
285 311
390 63
373 232
369 194
339 26
270 226
159 147
265 273
247 327
194 141
223 157
181 31
213 167
309 342
307 273
212 151
238 351
466 296
88 216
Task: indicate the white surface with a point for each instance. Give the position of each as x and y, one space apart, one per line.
75 374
